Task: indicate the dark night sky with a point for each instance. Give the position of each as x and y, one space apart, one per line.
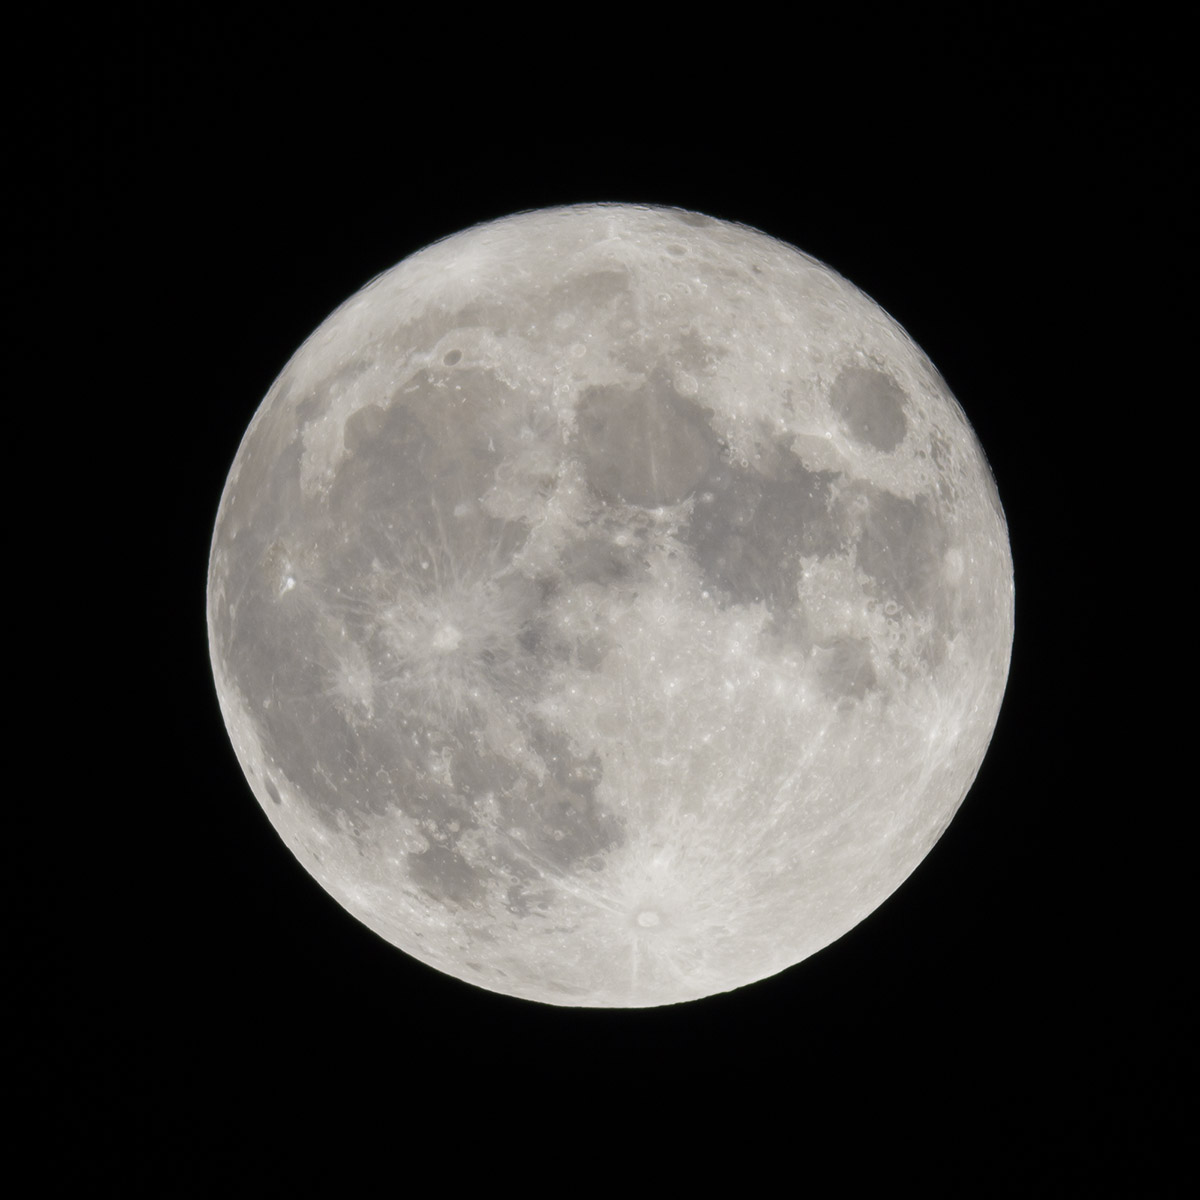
1011 1022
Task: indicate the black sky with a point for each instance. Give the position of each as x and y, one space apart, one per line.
204 192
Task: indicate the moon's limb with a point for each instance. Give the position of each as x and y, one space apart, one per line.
610 605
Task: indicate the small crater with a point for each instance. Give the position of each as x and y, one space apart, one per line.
452 357
676 251
273 792
648 919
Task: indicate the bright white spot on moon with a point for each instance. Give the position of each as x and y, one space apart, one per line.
610 605
447 638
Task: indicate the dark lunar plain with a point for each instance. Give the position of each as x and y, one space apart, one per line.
192 1013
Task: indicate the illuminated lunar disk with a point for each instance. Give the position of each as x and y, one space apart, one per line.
610 605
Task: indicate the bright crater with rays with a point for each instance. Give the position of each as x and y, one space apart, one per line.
610 605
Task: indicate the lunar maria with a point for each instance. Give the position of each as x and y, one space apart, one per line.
610 605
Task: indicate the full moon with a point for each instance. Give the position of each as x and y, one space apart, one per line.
610 605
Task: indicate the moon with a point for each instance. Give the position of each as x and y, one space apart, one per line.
610 605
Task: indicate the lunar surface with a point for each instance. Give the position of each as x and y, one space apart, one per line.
610 605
